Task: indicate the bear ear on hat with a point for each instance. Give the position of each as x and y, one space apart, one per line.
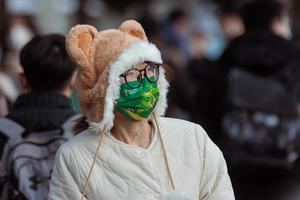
79 43
133 28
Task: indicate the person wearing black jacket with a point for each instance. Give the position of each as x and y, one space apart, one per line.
264 53
264 48
48 80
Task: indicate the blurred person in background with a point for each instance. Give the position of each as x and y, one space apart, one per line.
260 76
18 30
204 89
176 33
265 46
38 117
295 16
176 52
204 73
231 24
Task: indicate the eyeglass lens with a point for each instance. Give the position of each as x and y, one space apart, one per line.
134 77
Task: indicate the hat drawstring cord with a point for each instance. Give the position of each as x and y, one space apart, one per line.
165 153
98 147
94 160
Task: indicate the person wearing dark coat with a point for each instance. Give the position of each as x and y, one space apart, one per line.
265 52
264 49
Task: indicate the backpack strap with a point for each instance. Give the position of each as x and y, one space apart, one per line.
10 128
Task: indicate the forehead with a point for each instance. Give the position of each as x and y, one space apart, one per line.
139 66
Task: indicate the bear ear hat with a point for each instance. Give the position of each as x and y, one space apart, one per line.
133 28
101 58
80 46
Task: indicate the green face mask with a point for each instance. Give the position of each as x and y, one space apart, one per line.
138 103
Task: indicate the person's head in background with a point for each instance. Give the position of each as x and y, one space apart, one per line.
266 15
231 24
151 27
180 20
21 28
198 45
230 19
47 66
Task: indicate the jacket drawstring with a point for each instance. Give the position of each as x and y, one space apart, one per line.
98 147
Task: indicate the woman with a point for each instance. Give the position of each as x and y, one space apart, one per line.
127 150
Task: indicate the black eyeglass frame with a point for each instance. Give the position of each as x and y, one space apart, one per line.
141 75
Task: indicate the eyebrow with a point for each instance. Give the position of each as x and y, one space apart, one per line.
135 67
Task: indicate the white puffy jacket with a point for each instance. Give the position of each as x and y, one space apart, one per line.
128 172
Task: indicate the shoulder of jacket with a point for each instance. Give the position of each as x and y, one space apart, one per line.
183 131
179 125
80 140
175 122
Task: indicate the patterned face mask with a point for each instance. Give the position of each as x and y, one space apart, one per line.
138 103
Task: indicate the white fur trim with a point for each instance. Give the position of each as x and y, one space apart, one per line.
136 53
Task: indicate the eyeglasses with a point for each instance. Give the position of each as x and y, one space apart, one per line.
134 77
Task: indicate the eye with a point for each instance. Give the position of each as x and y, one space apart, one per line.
132 73
152 72
154 65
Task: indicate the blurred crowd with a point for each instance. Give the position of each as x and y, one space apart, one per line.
236 67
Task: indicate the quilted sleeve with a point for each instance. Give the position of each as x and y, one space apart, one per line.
64 179
215 182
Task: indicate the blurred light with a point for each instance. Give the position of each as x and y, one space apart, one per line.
26 7
93 8
66 7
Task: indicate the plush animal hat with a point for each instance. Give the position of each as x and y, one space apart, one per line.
102 56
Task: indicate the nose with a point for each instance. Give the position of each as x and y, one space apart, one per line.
142 75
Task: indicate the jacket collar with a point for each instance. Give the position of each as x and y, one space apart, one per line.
41 111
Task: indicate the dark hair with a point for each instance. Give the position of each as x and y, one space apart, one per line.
260 14
151 26
80 125
176 15
46 63
169 72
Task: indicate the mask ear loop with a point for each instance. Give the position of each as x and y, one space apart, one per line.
164 151
94 160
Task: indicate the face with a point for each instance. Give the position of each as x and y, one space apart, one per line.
138 91
282 26
19 35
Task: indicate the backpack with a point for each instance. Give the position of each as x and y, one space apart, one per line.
262 125
27 161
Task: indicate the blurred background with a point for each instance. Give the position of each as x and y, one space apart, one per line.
236 71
